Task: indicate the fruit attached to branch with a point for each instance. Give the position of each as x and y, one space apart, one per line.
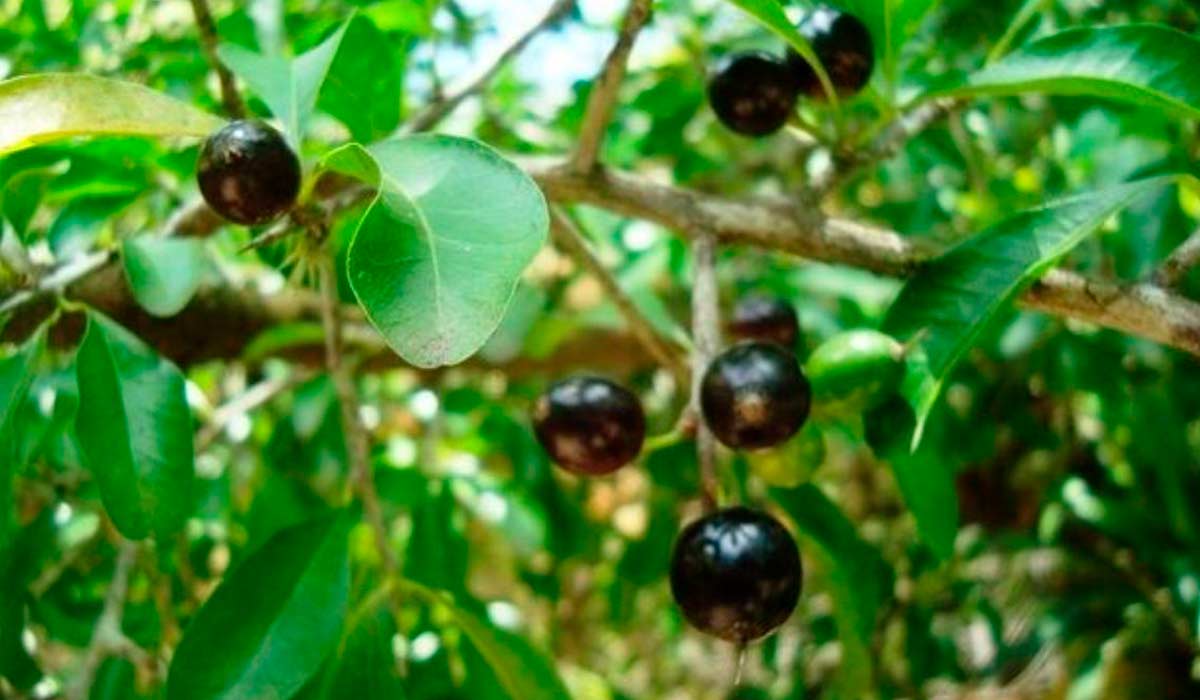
590 426
754 396
248 173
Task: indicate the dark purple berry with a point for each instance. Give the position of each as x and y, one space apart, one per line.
755 396
843 44
248 173
753 94
769 319
736 574
590 426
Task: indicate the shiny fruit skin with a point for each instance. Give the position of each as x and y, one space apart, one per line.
843 44
589 425
753 94
754 396
769 319
736 574
248 173
856 369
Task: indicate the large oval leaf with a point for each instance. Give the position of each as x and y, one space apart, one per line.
16 375
1140 63
437 257
38 109
268 627
135 431
523 672
949 303
163 273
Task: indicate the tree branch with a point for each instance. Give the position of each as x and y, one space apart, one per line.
570 240
442 107
358 447
1177 265
706 335
107 636
230 98
604 93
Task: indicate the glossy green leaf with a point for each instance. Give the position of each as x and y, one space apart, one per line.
437 257
363 88
947 305
363 666
523 672
39 109
1140 63
163 273
288 85
272 622
16 376
861 581
135 430
770 14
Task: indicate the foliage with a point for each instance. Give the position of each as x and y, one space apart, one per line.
297 461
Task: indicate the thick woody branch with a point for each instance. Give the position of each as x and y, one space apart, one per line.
570 240
472 84
230 98
603 98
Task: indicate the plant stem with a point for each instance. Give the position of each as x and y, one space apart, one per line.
706 335
230 99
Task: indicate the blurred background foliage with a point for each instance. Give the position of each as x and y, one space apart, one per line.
1076 569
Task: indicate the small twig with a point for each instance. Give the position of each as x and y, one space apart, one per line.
1176 267
570 240
232 101
439 109
107 637
358 447
886 145
59 279
706 335
253 398
604 93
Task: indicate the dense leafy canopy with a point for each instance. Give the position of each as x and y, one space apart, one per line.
297 460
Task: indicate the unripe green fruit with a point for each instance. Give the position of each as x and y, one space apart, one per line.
856 370
793 463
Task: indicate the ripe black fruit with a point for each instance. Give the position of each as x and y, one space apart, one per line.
753 94
248 173
843 45
754 395
769 319
589 425
736 574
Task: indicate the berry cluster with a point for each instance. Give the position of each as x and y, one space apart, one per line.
754 93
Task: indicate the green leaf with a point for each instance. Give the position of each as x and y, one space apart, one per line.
363 88
37 109
272 622
135 430
437 257
770 14
289 86
16 376
523 672
950 302
1138 63
364 665
164 273
861 581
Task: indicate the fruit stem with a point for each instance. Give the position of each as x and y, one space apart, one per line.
741 664
706 336
209 40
